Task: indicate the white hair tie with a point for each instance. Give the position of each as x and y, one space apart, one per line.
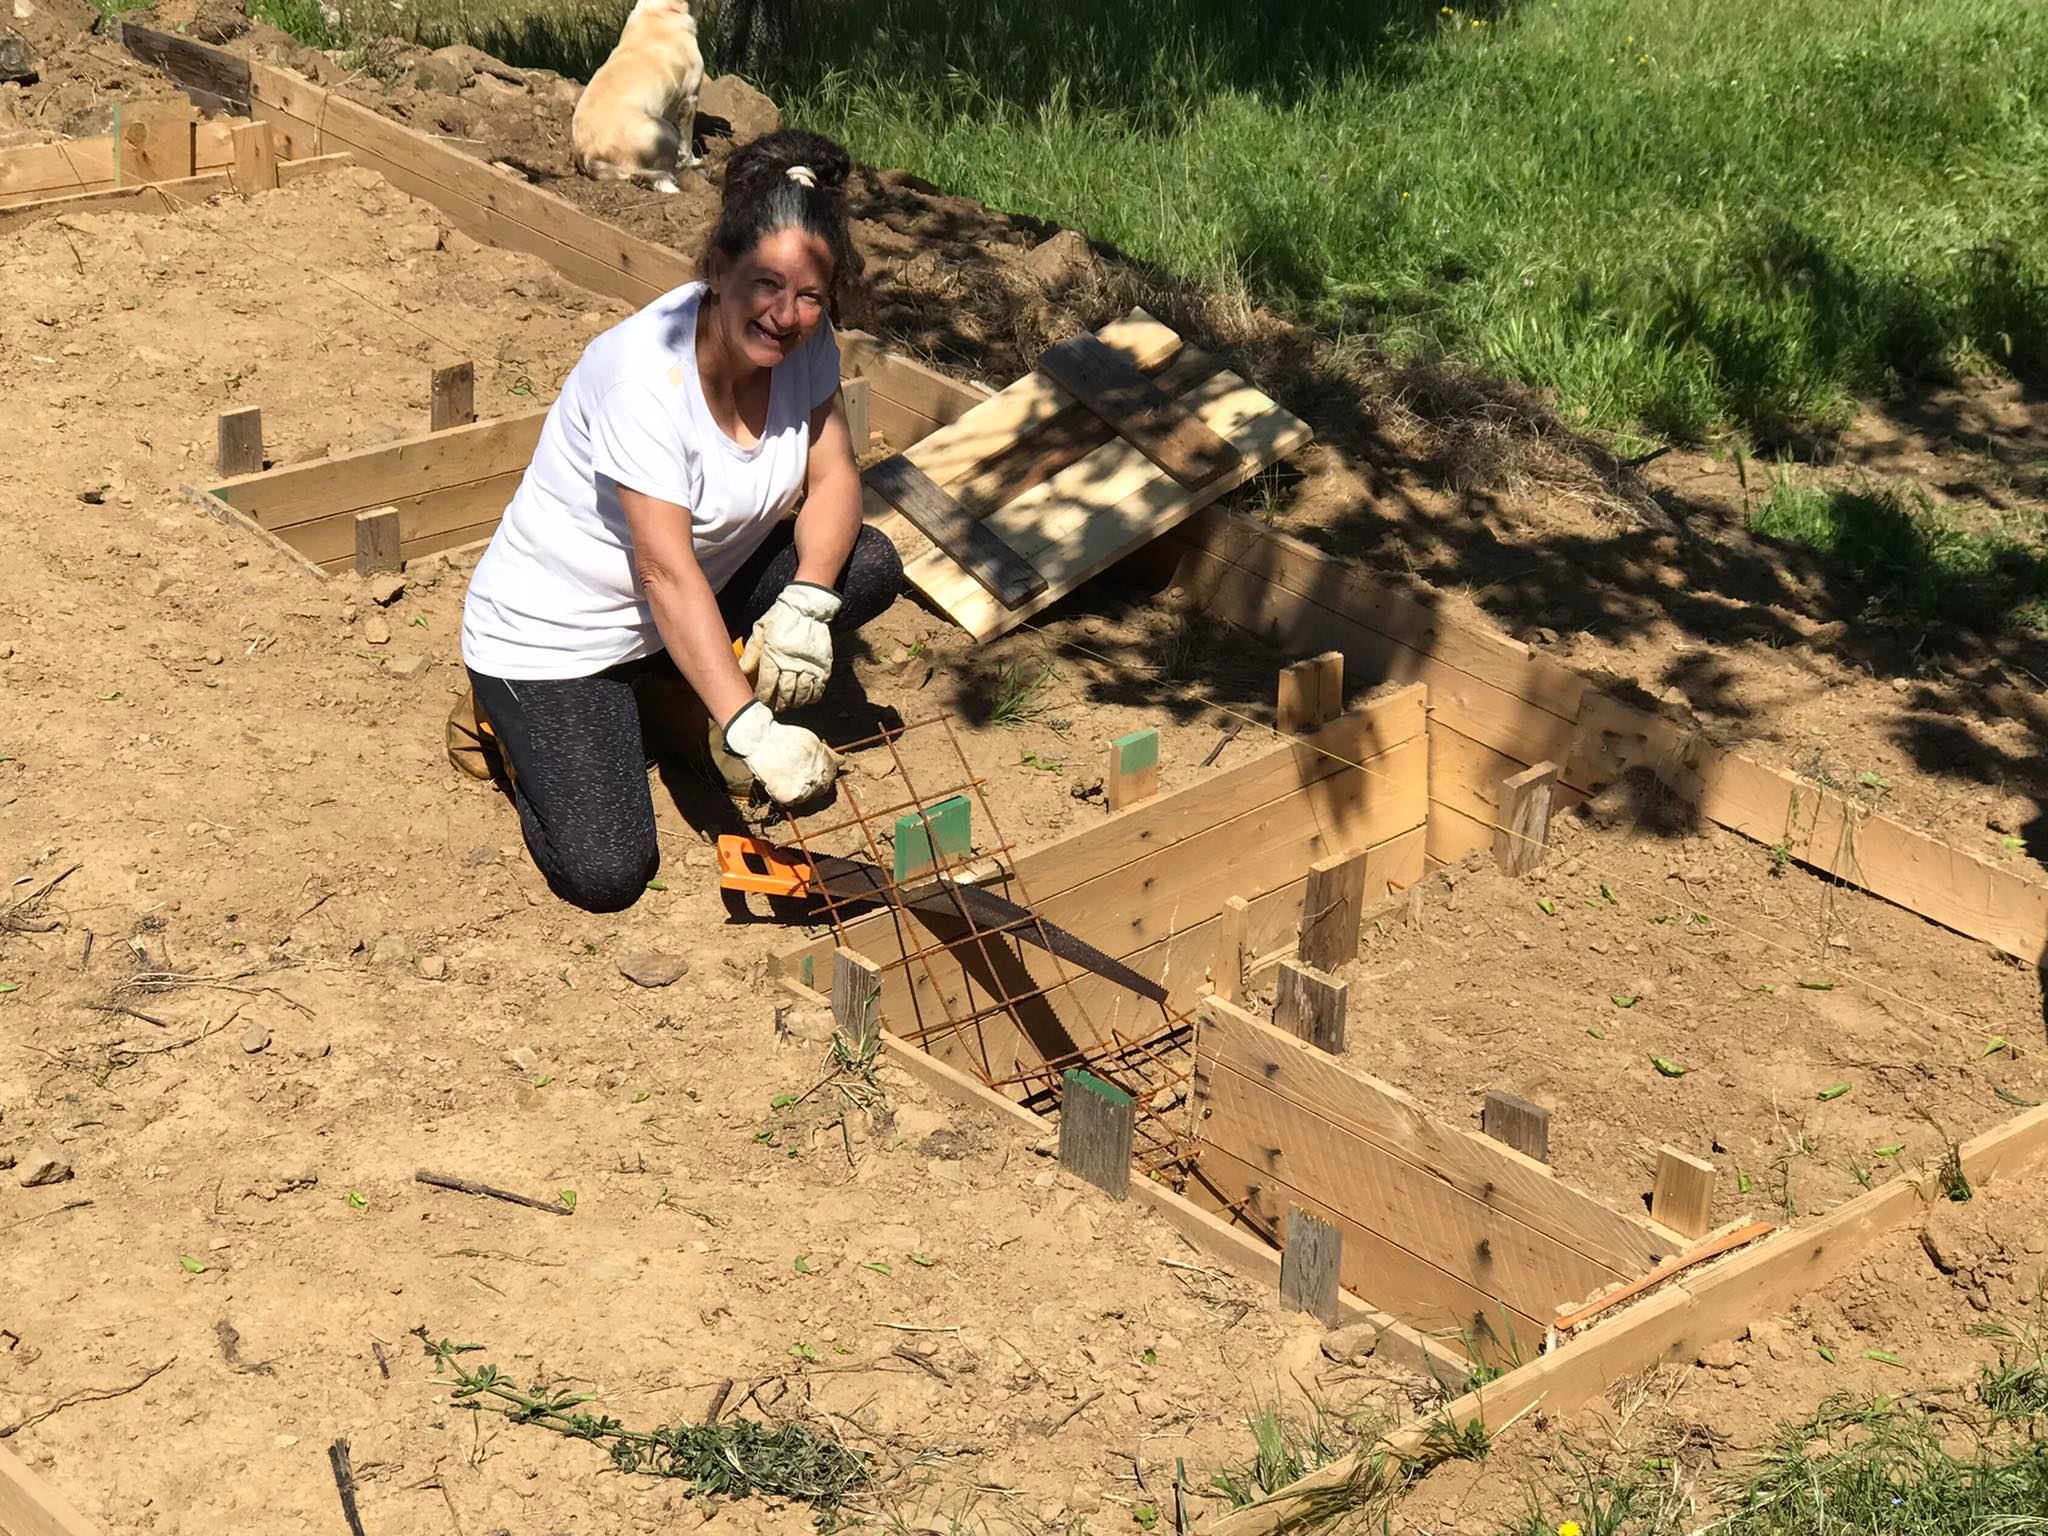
803 176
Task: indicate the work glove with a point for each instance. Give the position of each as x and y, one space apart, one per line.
789 654
791 763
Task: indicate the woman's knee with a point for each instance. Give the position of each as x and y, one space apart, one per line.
605 881
873 579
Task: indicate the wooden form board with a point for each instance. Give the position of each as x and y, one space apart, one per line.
1072 514
1150 884
1700 1306
29 1506
159 196
1237 1250
1496 708
1441 1225
151 141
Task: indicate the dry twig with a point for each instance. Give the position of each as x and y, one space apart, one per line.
89 1395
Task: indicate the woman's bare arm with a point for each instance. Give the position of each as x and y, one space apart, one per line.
685 607
830 519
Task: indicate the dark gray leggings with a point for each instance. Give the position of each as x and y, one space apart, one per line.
579 773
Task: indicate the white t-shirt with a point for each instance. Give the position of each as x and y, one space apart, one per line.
556 594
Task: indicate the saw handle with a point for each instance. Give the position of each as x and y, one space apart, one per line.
749 864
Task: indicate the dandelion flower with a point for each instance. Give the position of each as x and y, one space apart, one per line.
1569 1528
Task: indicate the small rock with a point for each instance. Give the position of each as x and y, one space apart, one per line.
1900 685
1352 1343
1739 1376
7 651
1062 262
1942 1250
17 60
255 1039
385 589
482 855
442 74
391 949
407 667
41 1166
415 239
152 583
1771 1338
214 658
750 113
317 1051
1151 1405
2010 815
523 1058
433 967
1718 1357
652 968
376 631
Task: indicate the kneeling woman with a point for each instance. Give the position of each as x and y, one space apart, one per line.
652 528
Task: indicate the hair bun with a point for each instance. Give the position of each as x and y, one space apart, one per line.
774 156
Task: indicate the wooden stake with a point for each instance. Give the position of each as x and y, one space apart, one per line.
1096 1125
1311 1005
238 447
856 997
377 541
1331 911
1521 832
255 158
1133 773
1311 693
1683 1196
1517 1123
1226 974
858 397
452 396
1310 1259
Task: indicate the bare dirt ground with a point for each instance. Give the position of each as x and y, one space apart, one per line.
1922 1301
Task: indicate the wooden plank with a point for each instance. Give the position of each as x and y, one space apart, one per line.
1311 693
464 505
1333 911
235 518
1823 830
1132 773
1496 1255
377 541
255 159
1701 1307
491 205
855 397
29 1506
156 196
213 144
1310 1259
238 442
1311 1005
1683 1196
969 545
1133 405
451 396
1517 1123
153 142
1236 1250
1521 818
1096 1125
213 79
1095 512
1459 1160
1373 1263
432 463
53 170
1226 976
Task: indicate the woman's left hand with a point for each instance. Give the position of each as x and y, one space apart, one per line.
789 654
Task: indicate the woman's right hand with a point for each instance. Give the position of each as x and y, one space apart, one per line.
791 763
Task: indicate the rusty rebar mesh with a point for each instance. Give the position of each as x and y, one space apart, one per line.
974 997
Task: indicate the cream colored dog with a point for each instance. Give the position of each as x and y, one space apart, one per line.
635 119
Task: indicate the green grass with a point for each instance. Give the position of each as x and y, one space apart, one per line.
1892 554
1737 213
1937 1464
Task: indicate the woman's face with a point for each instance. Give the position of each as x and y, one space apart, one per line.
772 298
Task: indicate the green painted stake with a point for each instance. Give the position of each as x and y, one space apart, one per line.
1097 1121
919 849
1133 769
810 971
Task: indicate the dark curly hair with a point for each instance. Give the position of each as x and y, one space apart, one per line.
763 198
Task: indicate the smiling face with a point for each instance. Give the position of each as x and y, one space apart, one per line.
772 298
